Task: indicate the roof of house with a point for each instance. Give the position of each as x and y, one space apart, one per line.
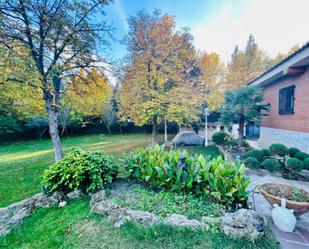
299 58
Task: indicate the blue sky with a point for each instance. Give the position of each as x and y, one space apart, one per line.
218 25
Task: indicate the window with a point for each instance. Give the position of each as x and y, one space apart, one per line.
286 100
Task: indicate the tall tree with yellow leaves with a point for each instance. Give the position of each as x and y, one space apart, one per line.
159 78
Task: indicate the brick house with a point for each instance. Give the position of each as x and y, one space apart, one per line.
286 91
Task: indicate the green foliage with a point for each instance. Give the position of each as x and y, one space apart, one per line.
292 151
217 179
88 171
306 163
244 143
231 142
210 151
294 164
301 155
252 162
220 137
258 154
164 203
8 124
278 149
271 164
266 152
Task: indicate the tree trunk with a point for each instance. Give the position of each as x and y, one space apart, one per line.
54 133
52 103
165 130
154 131
241 130
108 129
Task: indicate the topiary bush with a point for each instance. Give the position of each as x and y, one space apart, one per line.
292 151
266 152
278 149
258 154
217 179
306 163
301 155
79 169
294 164
252 162
220 137
271 164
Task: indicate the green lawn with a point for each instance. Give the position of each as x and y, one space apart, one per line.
21 167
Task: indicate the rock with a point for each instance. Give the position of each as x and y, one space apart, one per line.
182 221
122 221
211 220
42 200
187 138
75 194
104 207
243 223
97 197
143 217
62 204
19 216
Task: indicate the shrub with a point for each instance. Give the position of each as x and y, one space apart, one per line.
266 152
244 143
278 149
220 137
301 155
230 142
306 163
292 151
217 179
87 171
271 164
258 154
252 162
294 164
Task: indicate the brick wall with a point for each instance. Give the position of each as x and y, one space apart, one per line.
299 121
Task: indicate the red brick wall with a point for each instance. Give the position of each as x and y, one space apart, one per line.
299 121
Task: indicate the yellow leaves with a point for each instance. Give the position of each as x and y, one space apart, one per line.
88 93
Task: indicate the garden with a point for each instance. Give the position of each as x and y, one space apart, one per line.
194 183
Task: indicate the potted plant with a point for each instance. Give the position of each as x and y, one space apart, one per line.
297 199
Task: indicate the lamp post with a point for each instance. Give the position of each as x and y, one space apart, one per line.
206 113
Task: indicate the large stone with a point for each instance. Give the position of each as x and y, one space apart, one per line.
243 223
182 221
187 138
143 217
97 197
75 194
42 200
104 207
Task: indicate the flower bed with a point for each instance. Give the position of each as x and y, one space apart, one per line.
175 170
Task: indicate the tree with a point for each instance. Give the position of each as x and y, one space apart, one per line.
212 73
281 56
246 65
161 61
88 93
242 105
60 36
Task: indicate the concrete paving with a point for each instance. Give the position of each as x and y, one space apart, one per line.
299 238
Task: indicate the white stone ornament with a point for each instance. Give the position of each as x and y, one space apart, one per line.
283 218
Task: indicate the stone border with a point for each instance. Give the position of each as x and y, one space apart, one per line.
14 214
244 223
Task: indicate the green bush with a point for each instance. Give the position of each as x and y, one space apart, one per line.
278 149
258 154
306 163
292 151
217 179
252 162
220 137
294 164
301 155
244 143
266 152
230 142
79 169
271 164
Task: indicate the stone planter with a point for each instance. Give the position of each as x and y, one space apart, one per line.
299 207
